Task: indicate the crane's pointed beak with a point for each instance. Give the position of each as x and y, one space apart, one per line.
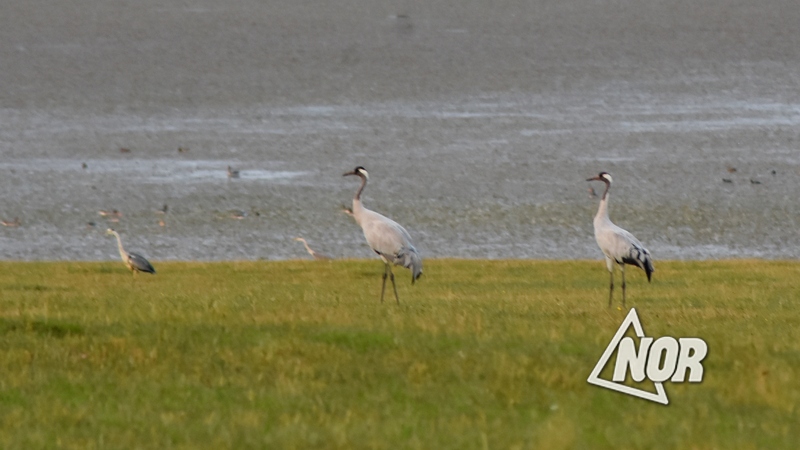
348 173
592 179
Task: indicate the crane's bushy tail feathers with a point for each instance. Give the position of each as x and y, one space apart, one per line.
639 256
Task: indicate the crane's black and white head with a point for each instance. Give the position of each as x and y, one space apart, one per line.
605 177
360 171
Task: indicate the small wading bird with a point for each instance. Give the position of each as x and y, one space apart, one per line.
112 213
315 255
232 173
11 223
385 237
618 245
135 262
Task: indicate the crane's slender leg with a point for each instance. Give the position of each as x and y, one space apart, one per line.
394 286
610 267
622 266
385 274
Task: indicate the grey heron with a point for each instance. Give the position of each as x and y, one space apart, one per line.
385 237
618 245
135 262
315 255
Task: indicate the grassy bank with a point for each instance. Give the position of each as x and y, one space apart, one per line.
480 354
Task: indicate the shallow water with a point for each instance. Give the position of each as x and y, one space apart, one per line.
478 125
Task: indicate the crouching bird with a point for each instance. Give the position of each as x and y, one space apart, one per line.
134 261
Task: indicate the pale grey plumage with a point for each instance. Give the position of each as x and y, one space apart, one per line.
134 261
385 237
618 245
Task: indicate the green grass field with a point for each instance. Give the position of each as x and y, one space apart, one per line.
297 354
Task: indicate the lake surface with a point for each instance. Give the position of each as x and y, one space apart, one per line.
477 122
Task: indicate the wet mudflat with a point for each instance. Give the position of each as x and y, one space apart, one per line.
478 124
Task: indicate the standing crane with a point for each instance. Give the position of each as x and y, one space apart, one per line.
315 255
385 237
135 262
618 245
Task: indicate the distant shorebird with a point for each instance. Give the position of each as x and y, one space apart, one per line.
592 193
315 255
163 209
111 216
731 169
13 223
134 261
752 181
618 245
402 23
385 237
232 173
84 165
124 150
183 149
727 180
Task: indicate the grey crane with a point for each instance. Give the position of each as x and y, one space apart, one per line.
385 237
135 262
618 245
315 255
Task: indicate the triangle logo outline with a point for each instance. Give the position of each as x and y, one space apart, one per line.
632 319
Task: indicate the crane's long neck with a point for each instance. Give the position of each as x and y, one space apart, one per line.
358 208
308 249
602 210
122 253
